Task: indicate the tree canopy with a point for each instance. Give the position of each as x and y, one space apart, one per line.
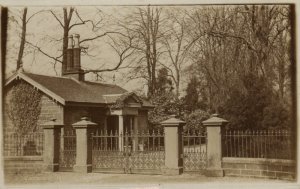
235 60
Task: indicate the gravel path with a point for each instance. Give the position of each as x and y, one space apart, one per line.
60 178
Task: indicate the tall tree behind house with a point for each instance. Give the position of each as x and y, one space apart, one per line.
22 22
71 19
145 26
23 38
236 41
177 44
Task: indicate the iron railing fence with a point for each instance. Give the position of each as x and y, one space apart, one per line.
30 144
194 144
128 151
67 157
272 144
194 140
145 140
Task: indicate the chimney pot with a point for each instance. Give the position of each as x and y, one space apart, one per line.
73 58
76 40
70 42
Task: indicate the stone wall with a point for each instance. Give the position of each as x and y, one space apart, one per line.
49 110
74 114
28 164
143 120
24 164
259 168
7 123
98 116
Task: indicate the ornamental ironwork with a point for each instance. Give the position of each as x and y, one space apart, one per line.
194 150
272 144
67 157
128 152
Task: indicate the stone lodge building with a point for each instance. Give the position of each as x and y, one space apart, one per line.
71 97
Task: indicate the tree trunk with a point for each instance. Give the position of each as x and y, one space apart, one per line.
23 38
177 82
67 20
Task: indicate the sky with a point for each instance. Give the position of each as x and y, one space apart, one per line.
43 30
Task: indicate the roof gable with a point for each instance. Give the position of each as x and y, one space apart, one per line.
20 75
68 91
64 90
128 99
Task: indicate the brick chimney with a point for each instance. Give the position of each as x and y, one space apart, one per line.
70 53
73 65
76 52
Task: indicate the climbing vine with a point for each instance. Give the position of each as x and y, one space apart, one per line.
24 107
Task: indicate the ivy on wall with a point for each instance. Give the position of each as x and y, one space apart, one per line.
24 107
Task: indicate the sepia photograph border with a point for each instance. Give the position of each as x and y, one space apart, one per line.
295 83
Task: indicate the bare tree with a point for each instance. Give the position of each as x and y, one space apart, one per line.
144 26
212 57
177 44
24 19
258 28
23 35
236 41
70 19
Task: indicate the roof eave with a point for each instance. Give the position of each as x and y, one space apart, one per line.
148 107
90 104
37 85
10 79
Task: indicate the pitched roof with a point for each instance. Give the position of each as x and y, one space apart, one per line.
72 90
64 89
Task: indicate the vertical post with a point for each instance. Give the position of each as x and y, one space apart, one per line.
62 142
135 131
83 145
130 123
105 123
121 132
214 146
173 146
52 131
105 131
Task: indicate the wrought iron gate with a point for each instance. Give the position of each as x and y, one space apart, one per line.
67 156
131 152
194 150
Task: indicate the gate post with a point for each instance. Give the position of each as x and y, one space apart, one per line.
214 146
52 131
173 146
83 145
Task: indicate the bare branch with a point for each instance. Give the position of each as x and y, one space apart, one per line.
122 57
99 36
34 15
80 23
57 18
44 53
223 34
